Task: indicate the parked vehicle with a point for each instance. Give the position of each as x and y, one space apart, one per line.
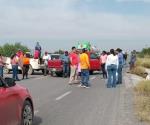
95 62
16 105
56 65
35 65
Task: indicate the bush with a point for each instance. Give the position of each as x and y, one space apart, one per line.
139 70
144 53
142 100
143 88
9 49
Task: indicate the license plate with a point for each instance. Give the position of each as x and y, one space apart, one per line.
53 69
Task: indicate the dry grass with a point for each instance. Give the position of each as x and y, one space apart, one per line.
142 100
140 71
145 62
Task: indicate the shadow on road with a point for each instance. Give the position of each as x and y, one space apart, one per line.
37 120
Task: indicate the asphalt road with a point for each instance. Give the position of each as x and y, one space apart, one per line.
57 103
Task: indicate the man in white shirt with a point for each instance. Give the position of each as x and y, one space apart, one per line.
46 58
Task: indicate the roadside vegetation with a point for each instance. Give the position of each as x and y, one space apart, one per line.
142 89
142 63
140 71
9 49
142 100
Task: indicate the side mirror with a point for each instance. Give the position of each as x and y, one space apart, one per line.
10 82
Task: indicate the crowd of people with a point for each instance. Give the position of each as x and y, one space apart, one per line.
76 64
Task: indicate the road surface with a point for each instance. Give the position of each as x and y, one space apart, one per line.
57 103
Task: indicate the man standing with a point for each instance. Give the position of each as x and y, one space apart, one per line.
85 66
73 65
46 58
132 59
120 66
38 48
26 64
66 62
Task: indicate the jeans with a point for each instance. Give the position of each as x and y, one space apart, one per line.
112 70
119 81
15 72
65 70
104 71
45 69
85 77
1 71
25 71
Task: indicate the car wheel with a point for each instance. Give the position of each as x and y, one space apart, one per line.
27 114
91 72
59 74
31 71
43 71
53 74
6 71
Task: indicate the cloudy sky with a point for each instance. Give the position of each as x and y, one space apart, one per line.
61 23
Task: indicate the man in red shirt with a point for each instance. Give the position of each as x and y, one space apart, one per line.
74 60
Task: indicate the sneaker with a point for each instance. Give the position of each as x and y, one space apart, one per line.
82 86
87 87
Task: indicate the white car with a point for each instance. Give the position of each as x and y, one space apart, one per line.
34 66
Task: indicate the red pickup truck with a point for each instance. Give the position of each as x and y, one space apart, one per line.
55 65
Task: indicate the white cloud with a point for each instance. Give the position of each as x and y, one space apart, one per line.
58 20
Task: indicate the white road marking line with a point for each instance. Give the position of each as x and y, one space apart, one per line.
92 78
36 111
64 95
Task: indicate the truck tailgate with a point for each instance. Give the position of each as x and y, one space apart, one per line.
55 63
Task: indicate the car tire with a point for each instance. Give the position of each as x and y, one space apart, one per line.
59 74
6 71
31 71
53 74
27 114
91 72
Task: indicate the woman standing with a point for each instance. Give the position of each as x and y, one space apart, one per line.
1 65
14 63
103 58
111 67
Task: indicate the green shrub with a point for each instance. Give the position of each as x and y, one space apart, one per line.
9 49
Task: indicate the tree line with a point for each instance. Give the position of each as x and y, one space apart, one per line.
145 52
9 49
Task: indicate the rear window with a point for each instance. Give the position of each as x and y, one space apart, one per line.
93 56
55 57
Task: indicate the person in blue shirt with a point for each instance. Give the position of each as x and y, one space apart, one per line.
66 64
132 59
120 66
